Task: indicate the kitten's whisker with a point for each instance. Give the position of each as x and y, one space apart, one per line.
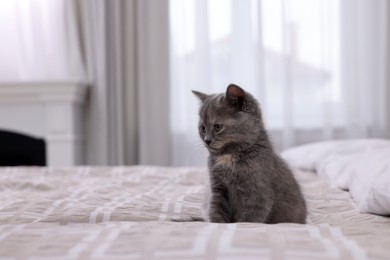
197 157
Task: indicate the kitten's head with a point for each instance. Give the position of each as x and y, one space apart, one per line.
229 122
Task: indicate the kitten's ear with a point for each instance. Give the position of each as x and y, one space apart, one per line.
200 95
235 95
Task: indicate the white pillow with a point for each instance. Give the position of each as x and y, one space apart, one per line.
361 166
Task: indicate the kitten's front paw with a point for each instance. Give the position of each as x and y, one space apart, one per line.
218 219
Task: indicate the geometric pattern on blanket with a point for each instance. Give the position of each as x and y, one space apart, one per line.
124 212
148 240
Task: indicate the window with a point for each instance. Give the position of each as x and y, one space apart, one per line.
287 53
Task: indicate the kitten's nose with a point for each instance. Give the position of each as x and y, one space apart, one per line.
207 141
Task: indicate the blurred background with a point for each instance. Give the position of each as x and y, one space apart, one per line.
319 68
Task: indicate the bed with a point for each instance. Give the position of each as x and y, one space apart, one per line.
126 212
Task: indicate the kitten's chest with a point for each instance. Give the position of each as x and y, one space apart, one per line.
239 174
231 172
230 164
226 161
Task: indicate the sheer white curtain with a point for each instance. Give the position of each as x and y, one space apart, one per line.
126 49
120 48
39 41
318 67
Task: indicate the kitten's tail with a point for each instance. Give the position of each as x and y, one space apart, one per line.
190 219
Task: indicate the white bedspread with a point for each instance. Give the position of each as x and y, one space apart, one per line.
125 212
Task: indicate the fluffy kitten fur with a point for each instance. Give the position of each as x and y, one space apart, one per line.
249 182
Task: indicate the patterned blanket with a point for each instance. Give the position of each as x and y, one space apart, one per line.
125 212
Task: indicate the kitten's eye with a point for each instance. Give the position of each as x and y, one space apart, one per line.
218 127
202 129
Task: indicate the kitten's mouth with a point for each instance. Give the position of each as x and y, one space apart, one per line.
212 149
213 146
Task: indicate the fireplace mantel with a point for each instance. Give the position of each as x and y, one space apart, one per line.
53 111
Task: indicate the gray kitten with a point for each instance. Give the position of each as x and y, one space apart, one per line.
249 182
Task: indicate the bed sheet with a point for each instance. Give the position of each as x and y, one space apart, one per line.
125 213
